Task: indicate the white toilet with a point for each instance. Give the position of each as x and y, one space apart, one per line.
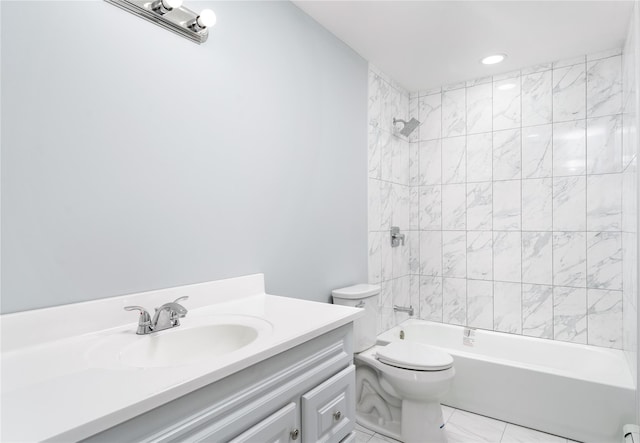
398 385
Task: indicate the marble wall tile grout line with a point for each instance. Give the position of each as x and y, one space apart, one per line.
521 217
553 256
441 203
466 193
586 154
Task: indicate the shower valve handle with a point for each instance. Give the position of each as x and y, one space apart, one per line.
396 237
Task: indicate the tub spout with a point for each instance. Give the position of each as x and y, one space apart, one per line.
404 309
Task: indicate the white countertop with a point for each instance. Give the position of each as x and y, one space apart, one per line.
54 388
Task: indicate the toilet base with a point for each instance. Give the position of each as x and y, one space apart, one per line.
427 428
422 422
389 428
399 403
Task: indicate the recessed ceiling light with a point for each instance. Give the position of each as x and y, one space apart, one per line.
493 59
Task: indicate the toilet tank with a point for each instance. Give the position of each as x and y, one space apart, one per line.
361 296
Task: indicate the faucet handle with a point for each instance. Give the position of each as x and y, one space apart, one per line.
136 308
144 323
179 311
185 297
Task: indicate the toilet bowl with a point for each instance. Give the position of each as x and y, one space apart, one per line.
420 386
398 385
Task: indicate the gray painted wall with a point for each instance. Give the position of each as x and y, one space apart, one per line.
134 159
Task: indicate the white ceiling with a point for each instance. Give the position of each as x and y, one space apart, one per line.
425 44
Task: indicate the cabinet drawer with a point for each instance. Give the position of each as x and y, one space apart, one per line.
328 411
279 427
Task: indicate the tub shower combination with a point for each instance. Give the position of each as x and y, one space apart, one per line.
581 392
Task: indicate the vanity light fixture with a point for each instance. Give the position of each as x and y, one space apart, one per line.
171 15
493 59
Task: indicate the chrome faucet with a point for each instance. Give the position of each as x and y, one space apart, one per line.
166 316
409 310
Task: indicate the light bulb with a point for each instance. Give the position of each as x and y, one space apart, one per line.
164 6
171 4
493 59
206 19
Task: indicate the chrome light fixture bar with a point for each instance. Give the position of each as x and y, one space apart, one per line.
171 15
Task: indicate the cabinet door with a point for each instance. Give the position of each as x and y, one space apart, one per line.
279 427
329 411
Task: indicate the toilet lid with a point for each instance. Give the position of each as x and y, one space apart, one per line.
416 356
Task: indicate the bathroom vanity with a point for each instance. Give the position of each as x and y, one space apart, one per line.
280 370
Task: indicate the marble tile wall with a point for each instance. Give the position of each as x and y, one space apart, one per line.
630 73
390 191
511 196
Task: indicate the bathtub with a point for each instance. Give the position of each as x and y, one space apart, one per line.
581 392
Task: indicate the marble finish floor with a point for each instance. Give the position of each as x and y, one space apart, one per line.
465 427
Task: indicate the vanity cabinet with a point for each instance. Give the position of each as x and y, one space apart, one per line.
304 394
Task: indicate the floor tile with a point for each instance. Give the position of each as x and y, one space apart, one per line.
361 428
362 437
518 434
465 427
379 438
447 412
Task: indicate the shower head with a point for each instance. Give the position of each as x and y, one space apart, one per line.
407 127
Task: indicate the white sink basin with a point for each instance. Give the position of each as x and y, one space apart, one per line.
196 340
187 346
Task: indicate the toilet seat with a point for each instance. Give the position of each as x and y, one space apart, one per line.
415 356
